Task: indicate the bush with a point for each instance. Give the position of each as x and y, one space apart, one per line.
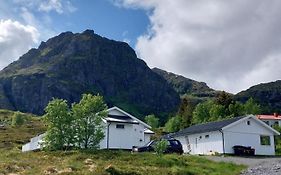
160 147
17 119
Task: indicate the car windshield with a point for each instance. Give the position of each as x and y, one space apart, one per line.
150 143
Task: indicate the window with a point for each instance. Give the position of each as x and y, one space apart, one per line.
119 126
248 122
207 136
265 140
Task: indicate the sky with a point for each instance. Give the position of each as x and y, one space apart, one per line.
230 45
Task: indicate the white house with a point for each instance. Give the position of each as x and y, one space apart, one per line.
122 131
221 136
270 120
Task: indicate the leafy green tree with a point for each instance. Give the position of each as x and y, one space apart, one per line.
152 121
236 109
88 114
59 133
250 107
217 112
17 119
173 124
185 111
201 113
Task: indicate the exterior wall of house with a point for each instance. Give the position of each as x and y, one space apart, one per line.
248 134
124 138
147 138
34 144
202 143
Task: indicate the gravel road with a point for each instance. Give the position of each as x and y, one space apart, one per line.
256 165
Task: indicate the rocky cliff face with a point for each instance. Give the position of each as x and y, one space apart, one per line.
71 64
185 86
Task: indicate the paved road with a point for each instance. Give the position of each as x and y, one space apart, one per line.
256 165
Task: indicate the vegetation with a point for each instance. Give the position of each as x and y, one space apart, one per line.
13 161
110 162
59 120
160 147
152 121
14 137
17 119
173 124
81 126
219 108
88 114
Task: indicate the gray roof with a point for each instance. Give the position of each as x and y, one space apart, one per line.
206 127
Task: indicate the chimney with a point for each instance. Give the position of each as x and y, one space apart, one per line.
275 114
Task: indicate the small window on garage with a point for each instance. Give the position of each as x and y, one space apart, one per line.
248 122
265 140
120 126
207 136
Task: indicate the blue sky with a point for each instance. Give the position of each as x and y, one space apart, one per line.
230 45
103 16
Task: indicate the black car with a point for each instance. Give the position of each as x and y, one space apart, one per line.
174 146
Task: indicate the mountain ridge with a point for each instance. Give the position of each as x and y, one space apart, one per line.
69 64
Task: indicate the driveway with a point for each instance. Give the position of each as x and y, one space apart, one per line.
256 165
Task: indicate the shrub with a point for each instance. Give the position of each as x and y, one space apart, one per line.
160 147
17 119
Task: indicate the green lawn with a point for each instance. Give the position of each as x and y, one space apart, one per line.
12 160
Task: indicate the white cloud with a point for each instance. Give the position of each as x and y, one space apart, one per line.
58 6
15 40
49 5
231 45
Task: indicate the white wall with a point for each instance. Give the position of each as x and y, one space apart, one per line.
34 144
147 138
204 145
248 135
131 135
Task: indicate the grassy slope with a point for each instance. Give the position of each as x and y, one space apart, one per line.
89 162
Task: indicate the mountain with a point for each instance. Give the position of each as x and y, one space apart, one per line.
268 95
70 64
185 86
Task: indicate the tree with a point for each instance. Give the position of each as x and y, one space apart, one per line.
224 99
59 121
186 109
236 109
201 113
88 114
17 119
152 121
250 107
173 124
217 112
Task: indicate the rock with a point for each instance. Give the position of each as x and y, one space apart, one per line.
69 65
50 170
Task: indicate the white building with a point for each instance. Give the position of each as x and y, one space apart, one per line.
270 120
221 136
122 131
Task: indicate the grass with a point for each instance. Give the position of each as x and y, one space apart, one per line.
110 162
102 162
